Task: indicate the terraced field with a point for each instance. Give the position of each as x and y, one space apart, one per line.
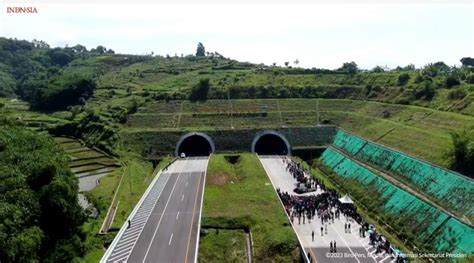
20 111
419 131
87 164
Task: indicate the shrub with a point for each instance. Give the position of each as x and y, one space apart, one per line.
403 101
457 94
451 82
403 79
424 92
200 91
470 78
419 79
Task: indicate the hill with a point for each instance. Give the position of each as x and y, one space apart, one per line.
97 95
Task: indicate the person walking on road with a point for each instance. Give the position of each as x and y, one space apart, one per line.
321 230
330 246
349 227
335 249
129 224
312 235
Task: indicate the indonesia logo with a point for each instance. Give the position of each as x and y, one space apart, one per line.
22 10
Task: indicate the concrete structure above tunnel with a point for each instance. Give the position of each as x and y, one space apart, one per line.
155 144
199 138
275 141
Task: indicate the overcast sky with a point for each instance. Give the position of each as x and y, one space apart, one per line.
321 35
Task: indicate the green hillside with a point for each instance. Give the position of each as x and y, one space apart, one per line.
106 100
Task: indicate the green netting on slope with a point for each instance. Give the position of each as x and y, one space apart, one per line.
415 213
455 234
348 142
454 190
331 160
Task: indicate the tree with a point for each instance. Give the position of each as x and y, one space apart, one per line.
200 51
462 153
60 57
62 93
378 69
425 91
467 62
99 49
451 81
435 69
287 63
38 205
7 84
403 79
79 49
470 78
409 67
349 67
200 91
296 62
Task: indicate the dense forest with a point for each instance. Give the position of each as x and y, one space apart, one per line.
40 217
35 72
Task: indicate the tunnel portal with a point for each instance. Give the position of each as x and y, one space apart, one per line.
271 143
195 144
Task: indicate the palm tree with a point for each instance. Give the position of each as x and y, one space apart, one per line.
296 62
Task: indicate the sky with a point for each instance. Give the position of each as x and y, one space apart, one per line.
319 34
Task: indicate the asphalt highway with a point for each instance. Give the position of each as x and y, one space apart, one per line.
166 229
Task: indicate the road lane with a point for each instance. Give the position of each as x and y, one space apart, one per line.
350 247
170 232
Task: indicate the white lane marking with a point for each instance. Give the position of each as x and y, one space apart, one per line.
161 217
182 198
343 240
177 215
171 238
186 184
127 241
118 255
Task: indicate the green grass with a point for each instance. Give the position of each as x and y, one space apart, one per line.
223 246
241 196
135 182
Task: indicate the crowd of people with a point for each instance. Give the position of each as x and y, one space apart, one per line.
305 183
325 206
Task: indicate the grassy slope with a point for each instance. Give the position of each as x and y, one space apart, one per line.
136 180
249 200
419 131
223 246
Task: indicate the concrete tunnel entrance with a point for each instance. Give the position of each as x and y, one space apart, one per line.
271 143
195 144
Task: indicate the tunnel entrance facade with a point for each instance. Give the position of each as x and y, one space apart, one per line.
271 143
195 144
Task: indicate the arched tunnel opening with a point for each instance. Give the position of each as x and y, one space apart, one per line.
195 145
271 144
